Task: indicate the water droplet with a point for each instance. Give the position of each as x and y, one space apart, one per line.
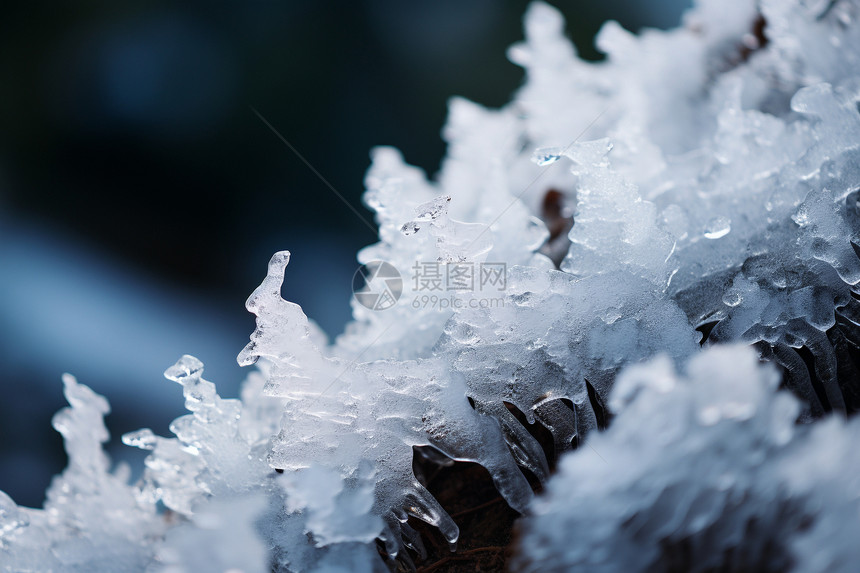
801 217
611 315
143 439
547 155
732 298
718 227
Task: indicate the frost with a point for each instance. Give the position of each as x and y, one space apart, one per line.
700 186
701 471
220 538
516 354
360 420
92 520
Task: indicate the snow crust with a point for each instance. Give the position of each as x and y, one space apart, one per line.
701 470
700 186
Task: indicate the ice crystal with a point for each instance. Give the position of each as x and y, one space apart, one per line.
92 519
360 419
699 186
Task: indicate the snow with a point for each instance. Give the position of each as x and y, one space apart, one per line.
702 469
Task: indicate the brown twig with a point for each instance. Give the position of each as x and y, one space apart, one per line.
493 501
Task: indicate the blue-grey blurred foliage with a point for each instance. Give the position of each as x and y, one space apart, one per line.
140 197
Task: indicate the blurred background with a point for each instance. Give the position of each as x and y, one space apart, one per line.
141 198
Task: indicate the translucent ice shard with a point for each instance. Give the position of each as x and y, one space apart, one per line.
353 420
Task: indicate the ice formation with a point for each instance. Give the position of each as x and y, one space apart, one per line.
700 186
705 471
92 519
